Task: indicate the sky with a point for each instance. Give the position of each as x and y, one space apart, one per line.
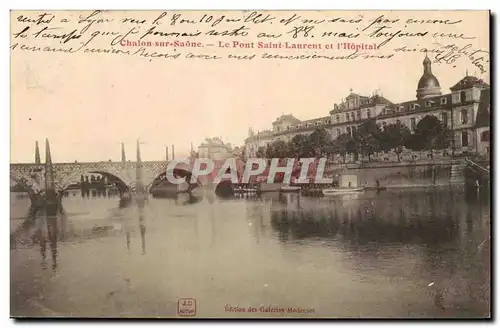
87 105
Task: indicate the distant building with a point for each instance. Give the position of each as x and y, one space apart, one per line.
215 149
466 111
257 140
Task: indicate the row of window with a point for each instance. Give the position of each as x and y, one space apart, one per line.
443 101
353 116
349 130
485 136
307 125
464 119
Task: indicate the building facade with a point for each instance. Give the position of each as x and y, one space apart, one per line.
215 149
256 141
465 111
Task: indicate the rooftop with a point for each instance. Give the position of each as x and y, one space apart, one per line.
469 82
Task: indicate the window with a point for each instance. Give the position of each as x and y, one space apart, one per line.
352 117
443 100
463 97
358 114
465 139
412 106
413 124
384 124
338 132
463 116
428 103
348 130
347 116
337 118
368 113
444 118
485 136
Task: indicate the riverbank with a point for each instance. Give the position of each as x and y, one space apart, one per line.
407 175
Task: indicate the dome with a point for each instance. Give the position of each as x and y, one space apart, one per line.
428 85
428 81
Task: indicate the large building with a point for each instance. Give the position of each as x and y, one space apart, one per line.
466 111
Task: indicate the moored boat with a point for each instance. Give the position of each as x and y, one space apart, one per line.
288 188
340 191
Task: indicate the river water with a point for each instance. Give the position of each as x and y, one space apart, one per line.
411 253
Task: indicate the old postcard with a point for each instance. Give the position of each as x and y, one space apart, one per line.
250 164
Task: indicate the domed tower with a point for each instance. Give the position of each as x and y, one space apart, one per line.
428 86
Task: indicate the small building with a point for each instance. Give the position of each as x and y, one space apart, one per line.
215 149
349 181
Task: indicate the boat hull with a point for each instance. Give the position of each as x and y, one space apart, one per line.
290 189
340 191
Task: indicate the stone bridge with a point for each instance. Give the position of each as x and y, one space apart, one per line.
32 176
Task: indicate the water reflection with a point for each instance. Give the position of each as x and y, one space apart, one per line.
48 225
417 245
448 232
402 218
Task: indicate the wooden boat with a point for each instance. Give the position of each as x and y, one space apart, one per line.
288 188
341 191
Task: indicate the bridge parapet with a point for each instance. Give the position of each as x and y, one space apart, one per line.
32 176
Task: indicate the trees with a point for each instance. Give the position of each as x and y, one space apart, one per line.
261 152
277 149
430 134
319 142
395 136
299 146
367 138
344 144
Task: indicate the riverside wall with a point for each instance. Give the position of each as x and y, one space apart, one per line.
406 175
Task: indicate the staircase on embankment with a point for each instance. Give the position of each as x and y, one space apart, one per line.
476 174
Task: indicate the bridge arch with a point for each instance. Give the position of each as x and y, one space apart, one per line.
124 183
182 172
31 185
